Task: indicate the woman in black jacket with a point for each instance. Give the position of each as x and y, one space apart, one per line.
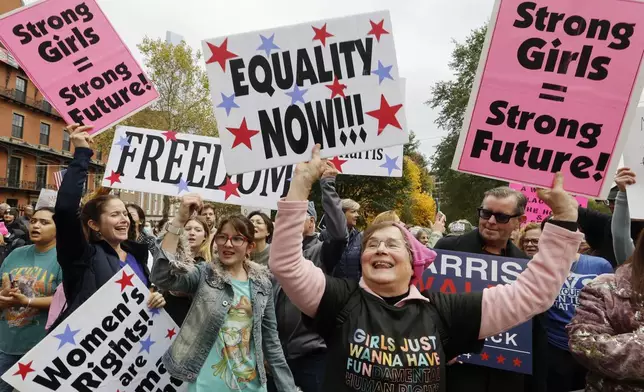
17 233
93 246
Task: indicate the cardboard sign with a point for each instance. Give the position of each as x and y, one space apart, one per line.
278 92
47 198
556 90
78 62
171 163
113 342
634 159
537 210
459 272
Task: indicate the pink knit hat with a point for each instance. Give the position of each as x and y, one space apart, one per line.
422 256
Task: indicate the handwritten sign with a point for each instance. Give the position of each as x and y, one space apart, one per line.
111 342
47 198
78 62
634 159
458 272
171 163
537 210
278 92
556 90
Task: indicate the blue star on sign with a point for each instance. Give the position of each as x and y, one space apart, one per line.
383 72
155 312
268 44
228 103
183 186
67 337
146 344
390 164
297 95
123 142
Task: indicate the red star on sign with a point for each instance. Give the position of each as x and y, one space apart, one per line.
386 115
23 370
337 162
242 135
170 135
484 357
220 54
321 34
114 177
171 333
126 280
517 362
336 88
500 359
377 29
230 189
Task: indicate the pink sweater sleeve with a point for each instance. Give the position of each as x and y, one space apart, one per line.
302 281
536 289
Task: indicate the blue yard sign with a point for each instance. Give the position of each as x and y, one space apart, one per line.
459 272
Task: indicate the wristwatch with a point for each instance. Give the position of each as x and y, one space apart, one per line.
170 228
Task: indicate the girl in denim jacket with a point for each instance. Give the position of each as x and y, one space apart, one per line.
231 329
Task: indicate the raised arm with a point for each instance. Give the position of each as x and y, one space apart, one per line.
302 281
337 235
621 222
71 244
536 289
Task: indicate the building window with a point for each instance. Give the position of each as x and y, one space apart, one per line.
14 172
44 134
66 142
21 88
17 125
41 177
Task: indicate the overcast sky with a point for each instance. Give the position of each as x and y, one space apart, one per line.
423 30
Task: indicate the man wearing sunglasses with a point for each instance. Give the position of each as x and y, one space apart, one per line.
501 212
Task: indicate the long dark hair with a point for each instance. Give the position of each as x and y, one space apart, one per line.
139 212
93 209
637 264
267 221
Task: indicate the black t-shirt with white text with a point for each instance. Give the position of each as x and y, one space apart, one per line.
373 346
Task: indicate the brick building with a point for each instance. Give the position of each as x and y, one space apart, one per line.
33 143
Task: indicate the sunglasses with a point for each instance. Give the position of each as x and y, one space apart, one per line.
235 240
498 216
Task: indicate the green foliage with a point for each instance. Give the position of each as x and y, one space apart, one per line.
461 193
598 206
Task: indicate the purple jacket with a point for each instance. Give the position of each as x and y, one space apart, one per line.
607 334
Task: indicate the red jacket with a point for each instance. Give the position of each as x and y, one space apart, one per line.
607 334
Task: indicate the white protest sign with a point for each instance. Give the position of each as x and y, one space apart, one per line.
113 342
278 92
47 198
383 162
170 163
634 159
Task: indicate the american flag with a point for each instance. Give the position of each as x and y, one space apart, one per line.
58 177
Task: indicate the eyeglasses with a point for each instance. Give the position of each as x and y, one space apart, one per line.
390 244
531 241
499 216
235 240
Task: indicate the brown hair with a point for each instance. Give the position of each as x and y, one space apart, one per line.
527 228
205 249
241 224
267 221
637 264
92 210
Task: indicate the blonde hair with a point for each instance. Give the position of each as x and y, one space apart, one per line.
527 228
387 216
204 249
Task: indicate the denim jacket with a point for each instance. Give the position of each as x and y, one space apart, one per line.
213 295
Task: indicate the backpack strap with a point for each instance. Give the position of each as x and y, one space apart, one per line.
352 303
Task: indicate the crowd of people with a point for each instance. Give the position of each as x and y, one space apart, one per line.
275 305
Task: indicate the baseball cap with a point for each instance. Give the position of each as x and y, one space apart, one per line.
460 227
310 210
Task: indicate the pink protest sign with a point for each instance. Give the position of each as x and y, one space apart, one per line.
556 89
77 60
3 229
537 210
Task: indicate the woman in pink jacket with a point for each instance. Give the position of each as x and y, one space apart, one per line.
382 333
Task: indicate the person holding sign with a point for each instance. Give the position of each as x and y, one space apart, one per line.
382 330
95 244
231 329
30 276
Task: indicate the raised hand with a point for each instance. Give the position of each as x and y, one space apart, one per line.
190 204
625 176
307 173
563 205
330 171
79 135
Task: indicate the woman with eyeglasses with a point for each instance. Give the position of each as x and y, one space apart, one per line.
231 329
382 331
529 239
